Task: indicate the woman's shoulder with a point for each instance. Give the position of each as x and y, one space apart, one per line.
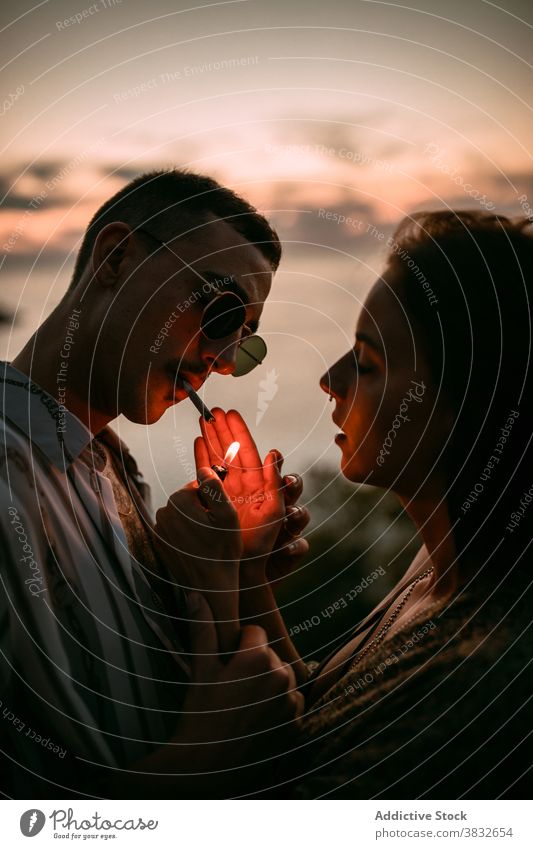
421 711
463 637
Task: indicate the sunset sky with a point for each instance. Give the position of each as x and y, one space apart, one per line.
361 108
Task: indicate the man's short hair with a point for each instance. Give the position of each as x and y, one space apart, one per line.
170 203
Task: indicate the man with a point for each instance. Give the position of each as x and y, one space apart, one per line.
98 664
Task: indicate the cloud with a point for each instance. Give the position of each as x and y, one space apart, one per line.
122 172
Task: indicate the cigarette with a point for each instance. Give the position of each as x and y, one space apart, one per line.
197 401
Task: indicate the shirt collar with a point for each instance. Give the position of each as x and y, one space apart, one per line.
59 434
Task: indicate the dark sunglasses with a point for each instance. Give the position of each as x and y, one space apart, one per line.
223 316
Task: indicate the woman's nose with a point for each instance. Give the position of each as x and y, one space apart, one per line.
337 381
326 384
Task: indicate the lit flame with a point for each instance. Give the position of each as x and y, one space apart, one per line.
231 453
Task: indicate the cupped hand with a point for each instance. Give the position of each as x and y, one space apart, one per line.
270 519
253 488
197 537
290 547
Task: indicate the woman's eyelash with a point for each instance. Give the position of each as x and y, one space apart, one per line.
361 369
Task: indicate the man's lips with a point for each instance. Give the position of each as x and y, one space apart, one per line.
195 381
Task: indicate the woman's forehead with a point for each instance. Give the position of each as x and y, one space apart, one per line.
383 311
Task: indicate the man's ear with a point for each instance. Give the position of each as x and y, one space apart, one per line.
112 249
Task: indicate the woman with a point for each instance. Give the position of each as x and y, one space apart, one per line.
429 696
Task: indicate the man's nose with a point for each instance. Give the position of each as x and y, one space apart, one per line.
220 355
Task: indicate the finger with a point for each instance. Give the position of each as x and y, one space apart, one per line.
182 503
201 453
295 549
215 500
293 488
253 637
293 684
296 520
210 434
202 633
298 702
248 454
279 460
273 481
224 433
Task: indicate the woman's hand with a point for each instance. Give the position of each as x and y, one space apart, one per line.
253 488
290 547
197 537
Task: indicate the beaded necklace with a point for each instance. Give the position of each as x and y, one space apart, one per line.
375 641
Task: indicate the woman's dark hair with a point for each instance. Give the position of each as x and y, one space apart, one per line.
170 203
466 280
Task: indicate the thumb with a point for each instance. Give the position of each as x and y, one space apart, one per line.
202 633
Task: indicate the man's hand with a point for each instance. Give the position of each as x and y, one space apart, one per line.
269 518
237 716
197 537
240 714
252 693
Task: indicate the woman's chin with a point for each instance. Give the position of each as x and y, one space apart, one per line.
350 473
348 464
351 462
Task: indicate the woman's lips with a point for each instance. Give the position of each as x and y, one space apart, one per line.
341 436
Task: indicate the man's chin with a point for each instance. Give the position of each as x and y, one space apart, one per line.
151 415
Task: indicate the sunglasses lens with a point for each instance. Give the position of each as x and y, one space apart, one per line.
251 353
223 316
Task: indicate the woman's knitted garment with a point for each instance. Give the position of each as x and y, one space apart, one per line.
442 710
